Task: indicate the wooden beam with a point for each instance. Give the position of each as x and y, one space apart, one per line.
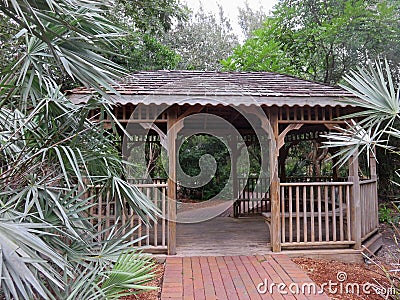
355 201
311 122
281 137
235 154
172 134
275 187
331 127
190 111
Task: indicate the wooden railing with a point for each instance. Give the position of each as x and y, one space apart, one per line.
369 207
252 198
314 179
155 235
315 214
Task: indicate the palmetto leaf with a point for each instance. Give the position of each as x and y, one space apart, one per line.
131 271
69 35
50 154
23 255
377 94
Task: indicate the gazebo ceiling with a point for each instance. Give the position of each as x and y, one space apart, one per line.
219 88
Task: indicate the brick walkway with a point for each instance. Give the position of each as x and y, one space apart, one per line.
233 277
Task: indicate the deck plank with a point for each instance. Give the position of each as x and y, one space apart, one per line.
223 236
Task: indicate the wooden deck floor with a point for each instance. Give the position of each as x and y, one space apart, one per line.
223 236
232 277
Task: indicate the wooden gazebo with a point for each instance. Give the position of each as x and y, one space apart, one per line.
303 213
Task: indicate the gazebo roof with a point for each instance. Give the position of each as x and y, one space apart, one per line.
226 88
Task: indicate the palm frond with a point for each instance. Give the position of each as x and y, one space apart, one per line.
23 255
376 94
128 275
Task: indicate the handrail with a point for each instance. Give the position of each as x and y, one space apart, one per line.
151 185
319 183
362 182
139 185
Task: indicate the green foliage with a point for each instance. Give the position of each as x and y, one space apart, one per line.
202 41
190 156
9 45
150 16
130 272
320 40
387 214
145 22
379 98
142 51
261 53
50 154
250 20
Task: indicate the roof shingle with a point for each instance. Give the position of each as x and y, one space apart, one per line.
269 88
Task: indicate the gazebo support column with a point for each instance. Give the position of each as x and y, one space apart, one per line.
372 171
172 135
355 204
274 187
235 154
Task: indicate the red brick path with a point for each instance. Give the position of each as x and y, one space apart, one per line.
232 277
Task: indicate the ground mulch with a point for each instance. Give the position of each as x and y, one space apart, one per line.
156 282
323 271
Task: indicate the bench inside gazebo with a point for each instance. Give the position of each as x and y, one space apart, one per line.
310 212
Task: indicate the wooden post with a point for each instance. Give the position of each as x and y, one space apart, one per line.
372 164
374 198
355 201
172 134
274 187
234 151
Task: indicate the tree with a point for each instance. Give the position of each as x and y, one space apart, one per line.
321 40
202 41
145 22
50 154
262 53
193 161
250 20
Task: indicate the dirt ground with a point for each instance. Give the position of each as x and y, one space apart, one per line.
156 282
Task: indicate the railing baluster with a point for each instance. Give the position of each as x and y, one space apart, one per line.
283 213
333 196
341 213
305 213
326 193
348 214
155 223
312 214
290 214
298 213
148 190
319 214
164 214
